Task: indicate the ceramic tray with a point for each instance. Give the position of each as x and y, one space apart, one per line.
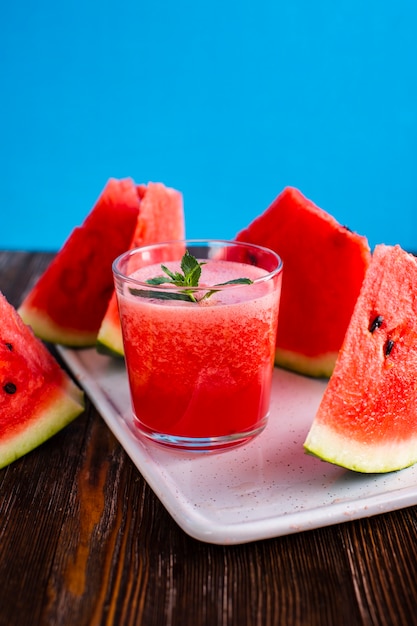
266 488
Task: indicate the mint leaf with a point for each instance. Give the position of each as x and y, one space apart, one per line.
176 277
191 268
236 281
158 280
161 295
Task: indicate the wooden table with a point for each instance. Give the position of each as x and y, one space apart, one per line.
84 541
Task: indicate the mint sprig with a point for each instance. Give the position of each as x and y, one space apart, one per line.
190 277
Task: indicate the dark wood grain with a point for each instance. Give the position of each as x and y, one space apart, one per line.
84 541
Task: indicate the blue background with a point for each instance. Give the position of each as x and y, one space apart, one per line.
228 101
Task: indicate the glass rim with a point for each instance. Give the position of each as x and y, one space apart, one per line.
195 242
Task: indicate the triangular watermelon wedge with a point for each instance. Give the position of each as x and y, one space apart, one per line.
367 420
70 299
37 397
160 218
68 302
324 266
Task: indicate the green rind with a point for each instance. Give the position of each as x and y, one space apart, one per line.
108 350
318 367
67 404
109 340
326 444
45 328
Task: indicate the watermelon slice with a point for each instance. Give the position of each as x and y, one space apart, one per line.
324 267
69 300
68 303
367 420
160 218
37 398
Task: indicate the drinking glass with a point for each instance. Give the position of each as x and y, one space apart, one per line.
199 357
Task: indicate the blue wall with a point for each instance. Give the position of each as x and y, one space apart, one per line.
227 100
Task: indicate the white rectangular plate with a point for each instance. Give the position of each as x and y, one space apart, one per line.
267 488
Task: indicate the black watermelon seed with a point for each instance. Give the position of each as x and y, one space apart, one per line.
9 346
389 346
10 388
376 323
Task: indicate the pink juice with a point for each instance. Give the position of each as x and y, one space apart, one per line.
202 370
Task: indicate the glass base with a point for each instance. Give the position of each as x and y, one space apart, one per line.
201 444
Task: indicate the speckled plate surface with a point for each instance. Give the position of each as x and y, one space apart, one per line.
264 489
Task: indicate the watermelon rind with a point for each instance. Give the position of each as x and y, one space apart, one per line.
318 366
45 328
62 405
110 341
326 444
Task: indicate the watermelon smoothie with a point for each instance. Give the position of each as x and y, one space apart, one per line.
200 371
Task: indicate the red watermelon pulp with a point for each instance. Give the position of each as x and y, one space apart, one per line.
324 267
37 398
160 218
367 420
68 303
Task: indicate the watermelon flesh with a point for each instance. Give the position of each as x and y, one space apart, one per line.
367 420
37 398
69 300
324 267
161 218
